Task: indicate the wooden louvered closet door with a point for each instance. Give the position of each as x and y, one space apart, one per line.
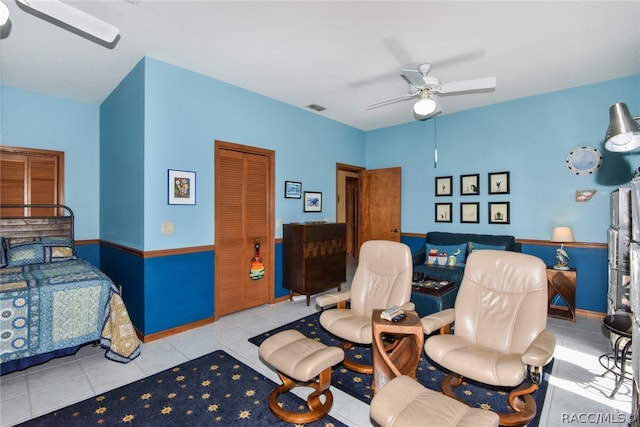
31 176
244 194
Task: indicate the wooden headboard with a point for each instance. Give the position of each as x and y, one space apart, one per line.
17 221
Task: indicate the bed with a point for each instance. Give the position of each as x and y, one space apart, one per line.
51 301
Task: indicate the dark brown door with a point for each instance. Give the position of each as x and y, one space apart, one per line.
243 217
380 204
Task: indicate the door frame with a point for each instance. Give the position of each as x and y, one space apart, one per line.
270 265
343 167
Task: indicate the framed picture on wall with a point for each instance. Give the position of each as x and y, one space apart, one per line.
499 183
444 185
469 212
292 190
470 185
182 187
312 201
499 213
443 212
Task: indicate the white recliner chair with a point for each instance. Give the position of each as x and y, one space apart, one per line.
382 279
499 337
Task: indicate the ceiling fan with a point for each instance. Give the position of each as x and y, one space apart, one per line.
427 88
68 17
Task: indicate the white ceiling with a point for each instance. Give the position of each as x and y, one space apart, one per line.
341 55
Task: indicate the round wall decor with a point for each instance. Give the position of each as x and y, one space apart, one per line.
584 160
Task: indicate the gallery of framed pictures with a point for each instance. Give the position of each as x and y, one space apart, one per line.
498 212
497 183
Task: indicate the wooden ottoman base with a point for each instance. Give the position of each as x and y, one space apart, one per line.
317 409
298 360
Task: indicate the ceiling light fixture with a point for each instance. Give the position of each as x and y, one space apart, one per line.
623 133
4 14
425 106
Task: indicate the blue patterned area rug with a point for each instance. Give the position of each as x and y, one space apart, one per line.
213 390
429 374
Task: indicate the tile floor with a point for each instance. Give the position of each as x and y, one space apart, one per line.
577 393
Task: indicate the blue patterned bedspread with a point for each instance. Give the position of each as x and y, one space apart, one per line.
46 307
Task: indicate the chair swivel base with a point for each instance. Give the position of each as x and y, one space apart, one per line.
317 409
519 399
352 365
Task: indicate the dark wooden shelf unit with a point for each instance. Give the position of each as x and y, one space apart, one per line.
315 257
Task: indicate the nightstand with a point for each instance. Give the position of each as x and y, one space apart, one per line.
562 283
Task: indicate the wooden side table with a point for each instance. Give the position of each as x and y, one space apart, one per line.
563 284
400 353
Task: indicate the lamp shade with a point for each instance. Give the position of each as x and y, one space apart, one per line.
425 106
623 133
562 235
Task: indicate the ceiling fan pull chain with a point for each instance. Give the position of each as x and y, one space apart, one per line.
435 144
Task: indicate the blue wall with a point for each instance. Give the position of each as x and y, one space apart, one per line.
531 139
37 121
186 112
162 117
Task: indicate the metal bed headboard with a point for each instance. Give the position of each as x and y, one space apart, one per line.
60 223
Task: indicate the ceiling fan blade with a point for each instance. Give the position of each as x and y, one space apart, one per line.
413 77
467 85
392 100
73 17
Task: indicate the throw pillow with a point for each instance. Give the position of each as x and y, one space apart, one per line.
473 246
434 253
38 250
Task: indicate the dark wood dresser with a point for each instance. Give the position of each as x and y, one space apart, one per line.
315 257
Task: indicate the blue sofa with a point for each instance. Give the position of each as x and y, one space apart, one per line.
453 244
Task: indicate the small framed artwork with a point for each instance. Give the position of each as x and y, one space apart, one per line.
312 201
470 185
499 213
182 187
469 212
292 190
443 185
443 212
499 183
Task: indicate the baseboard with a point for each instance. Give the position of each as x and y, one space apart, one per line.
592 314
173 331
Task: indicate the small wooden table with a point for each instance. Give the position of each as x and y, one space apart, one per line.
563 284
401 354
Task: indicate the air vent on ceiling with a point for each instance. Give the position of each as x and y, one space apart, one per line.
316 107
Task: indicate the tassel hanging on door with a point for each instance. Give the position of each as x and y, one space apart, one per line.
257 267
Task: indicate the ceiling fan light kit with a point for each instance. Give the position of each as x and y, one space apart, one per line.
425 106
623 133
73 17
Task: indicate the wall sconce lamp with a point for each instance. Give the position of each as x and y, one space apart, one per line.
562 235
623 133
